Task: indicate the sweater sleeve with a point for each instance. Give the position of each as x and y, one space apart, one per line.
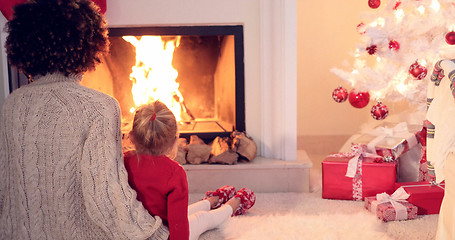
109 200
177 205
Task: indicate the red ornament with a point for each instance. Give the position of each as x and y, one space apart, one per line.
359 99
394 45
379 111
374 3
418 71
340 94
450 38
372 49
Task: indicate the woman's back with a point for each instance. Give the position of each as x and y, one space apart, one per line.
46 124
55 130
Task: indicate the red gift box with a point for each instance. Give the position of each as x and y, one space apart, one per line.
387 212
425 195
371 178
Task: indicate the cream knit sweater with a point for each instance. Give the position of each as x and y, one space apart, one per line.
61 169
441 113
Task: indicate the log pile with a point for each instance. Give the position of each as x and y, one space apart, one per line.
227 150
222 150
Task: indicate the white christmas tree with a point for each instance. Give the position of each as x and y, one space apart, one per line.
400 44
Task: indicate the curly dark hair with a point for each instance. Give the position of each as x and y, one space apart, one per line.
49 36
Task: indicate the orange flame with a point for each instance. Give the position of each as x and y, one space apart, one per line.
153 75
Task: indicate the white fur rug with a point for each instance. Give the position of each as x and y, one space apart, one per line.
308 216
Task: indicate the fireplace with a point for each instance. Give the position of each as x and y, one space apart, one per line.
270 60
197 71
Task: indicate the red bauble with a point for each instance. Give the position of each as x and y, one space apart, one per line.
374 3
379 111
340 94
394 45
359 99
450 38
372 49
418 71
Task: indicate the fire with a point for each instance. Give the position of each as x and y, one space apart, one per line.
153 76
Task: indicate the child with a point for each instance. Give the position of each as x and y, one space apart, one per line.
161 183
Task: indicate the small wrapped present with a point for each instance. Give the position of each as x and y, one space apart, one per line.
389 140
427 196
397 143
391 207
355 175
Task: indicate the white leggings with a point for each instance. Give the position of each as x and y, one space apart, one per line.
202 219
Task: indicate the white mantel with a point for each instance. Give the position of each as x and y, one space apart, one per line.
270 43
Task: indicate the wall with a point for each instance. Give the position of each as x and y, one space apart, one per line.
326 36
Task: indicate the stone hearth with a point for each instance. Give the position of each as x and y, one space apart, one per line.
261 175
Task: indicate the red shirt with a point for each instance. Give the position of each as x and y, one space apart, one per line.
162 187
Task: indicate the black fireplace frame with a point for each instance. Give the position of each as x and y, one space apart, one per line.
205 30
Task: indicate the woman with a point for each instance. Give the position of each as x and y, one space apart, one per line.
62 174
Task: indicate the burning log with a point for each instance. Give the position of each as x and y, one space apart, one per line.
182 151
183 106
198 151
222 153
244 145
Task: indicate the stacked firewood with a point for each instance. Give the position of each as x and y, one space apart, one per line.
222 150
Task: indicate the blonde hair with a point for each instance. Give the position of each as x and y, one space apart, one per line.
154 129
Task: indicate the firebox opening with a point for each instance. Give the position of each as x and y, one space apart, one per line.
204 82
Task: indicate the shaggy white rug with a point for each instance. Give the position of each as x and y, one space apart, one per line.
308 216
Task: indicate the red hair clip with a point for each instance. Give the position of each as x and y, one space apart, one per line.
153 117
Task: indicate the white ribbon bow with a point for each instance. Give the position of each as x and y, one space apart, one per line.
399 131
398 196
352 164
